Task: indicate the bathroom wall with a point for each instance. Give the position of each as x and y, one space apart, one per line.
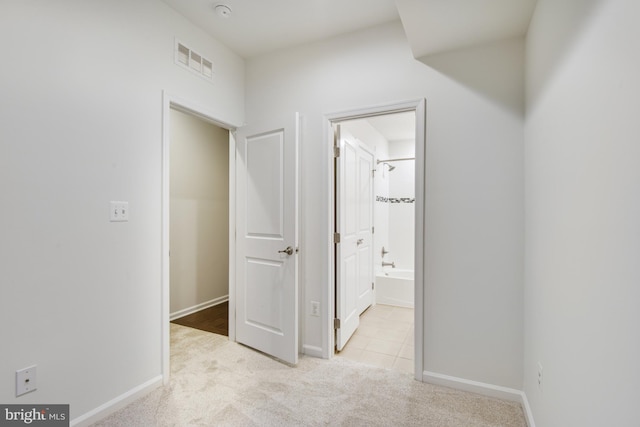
381 211
199 236
402 205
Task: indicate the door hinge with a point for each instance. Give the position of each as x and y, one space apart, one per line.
373 285
373 173
336 151
336 237
373 230
336 323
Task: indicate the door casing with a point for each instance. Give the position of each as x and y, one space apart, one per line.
328 294
190 107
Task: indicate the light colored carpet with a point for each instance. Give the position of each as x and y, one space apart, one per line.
215 382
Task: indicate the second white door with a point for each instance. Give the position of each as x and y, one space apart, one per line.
354 225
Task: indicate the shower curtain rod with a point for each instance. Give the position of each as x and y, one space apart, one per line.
395 160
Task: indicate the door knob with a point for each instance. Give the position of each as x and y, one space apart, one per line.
288 251
359 242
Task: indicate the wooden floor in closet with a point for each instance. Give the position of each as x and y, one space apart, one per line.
213 319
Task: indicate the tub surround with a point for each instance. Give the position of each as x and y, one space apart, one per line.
395 199
395 287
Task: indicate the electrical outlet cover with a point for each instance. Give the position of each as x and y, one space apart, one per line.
315 308
25 380
540 373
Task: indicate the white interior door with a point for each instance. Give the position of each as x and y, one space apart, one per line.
364 243
354 218
267 238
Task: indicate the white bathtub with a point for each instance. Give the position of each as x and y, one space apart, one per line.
395 287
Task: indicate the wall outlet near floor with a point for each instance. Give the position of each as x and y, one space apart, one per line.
25 380
315 308
539 376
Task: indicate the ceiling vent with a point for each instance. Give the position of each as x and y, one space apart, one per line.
193 61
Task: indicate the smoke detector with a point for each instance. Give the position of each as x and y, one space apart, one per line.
223 10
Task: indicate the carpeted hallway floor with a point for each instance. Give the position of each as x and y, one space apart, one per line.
215 382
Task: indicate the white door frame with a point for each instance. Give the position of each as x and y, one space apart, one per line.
187 106
328 295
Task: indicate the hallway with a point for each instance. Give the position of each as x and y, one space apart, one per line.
218 382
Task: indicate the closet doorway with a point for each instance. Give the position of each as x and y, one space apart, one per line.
199 223
198 217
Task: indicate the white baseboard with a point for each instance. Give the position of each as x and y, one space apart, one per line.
485 389
490 390
313 351
119 402
190 310
528 415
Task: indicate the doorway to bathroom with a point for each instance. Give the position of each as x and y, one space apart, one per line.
387 331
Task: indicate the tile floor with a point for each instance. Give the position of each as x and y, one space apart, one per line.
384 338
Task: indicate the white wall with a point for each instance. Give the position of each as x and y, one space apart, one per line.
402 215
199 212
80 125
474 181
583 210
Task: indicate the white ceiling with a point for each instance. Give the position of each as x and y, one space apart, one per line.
395 127
257 27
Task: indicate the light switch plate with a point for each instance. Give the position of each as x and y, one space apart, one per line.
119 211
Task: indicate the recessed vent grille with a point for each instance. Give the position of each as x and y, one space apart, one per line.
182 55
207 68
193 61
196 62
